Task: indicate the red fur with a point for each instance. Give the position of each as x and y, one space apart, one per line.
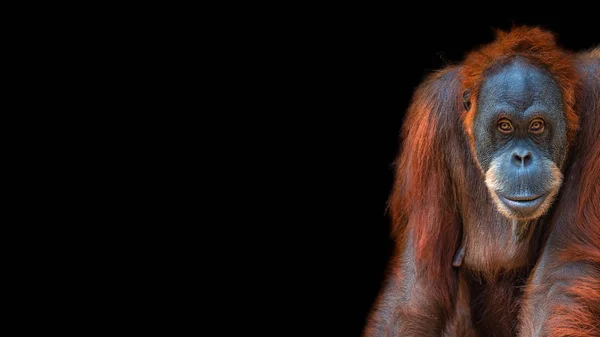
439 197
563 296
423 179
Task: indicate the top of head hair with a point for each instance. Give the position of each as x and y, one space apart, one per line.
537 46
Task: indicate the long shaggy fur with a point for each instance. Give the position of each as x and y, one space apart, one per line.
440 200
417 299
563 295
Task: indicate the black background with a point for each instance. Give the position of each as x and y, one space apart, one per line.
365 67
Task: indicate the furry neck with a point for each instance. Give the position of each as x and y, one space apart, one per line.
493 244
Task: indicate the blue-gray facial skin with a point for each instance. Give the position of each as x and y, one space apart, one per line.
520 138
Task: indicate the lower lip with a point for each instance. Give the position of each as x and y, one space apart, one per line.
523 205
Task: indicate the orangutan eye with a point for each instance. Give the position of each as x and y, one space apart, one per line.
536 126
504 126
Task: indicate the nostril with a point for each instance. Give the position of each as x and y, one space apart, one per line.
521 159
